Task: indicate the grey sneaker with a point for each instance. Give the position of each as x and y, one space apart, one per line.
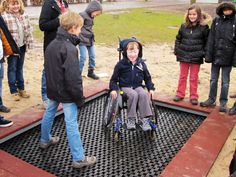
53 141
145 124
88 161
208 103
130 124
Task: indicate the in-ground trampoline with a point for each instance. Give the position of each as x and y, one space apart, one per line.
134 155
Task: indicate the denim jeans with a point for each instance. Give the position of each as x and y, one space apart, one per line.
225 79
82 59
73 135
43 86
185 68
1 78
15 71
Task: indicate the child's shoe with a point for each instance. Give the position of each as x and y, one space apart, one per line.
23 94
194 101
92 75
4 109
145 124
16 96
208 103
53 141
88 161
177 98
130 124
223 107
232 111
4 122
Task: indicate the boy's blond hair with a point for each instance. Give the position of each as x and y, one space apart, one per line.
70 19
132 45
4 7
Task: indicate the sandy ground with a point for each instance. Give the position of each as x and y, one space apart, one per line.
163 68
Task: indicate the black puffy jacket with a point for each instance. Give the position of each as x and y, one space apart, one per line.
222 38
63 77
191 41
49 20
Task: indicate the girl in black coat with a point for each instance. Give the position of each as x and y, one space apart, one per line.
190 50
221 53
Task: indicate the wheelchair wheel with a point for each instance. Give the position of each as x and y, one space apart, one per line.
109 112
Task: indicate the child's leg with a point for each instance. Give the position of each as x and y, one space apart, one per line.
215 70
71 116
143 103
11 73
43 86
184 67
91 53
82 49
225 79
1 77
131 102
47 121
19 70
193 80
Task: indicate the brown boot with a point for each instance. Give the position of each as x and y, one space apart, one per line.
232 96
23 94
16 96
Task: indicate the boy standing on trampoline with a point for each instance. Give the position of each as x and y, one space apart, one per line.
128 75
64 85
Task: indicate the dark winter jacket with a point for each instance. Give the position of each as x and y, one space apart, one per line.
128 75
222 40
9 45
63 77
86 35
49 21
191 41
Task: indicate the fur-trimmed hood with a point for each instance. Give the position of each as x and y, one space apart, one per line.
206 19
225 5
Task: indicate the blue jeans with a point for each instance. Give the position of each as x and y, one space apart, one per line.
15 71
225 79
1 77
73 135
43 86
82 59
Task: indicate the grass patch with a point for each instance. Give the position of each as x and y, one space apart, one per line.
147 25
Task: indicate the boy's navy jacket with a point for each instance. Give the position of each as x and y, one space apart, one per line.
191 41
128 75
49 21
63 76
86 35
221 42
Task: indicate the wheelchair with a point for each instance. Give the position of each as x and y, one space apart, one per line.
114 116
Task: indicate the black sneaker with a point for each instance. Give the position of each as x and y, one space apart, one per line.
194 101
232 111
4 122
208 103
4 109
177 98
92 75
223 107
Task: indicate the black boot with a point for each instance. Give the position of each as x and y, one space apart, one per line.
232 110
92 75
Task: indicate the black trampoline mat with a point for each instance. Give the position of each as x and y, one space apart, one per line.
134 155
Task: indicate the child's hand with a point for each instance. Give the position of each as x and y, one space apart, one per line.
114 94
151 93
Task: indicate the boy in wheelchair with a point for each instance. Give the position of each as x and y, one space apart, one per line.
128 76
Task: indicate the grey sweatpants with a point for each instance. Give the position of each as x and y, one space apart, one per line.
139 97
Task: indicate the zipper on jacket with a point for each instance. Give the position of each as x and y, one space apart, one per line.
233 30
132 75
191 32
